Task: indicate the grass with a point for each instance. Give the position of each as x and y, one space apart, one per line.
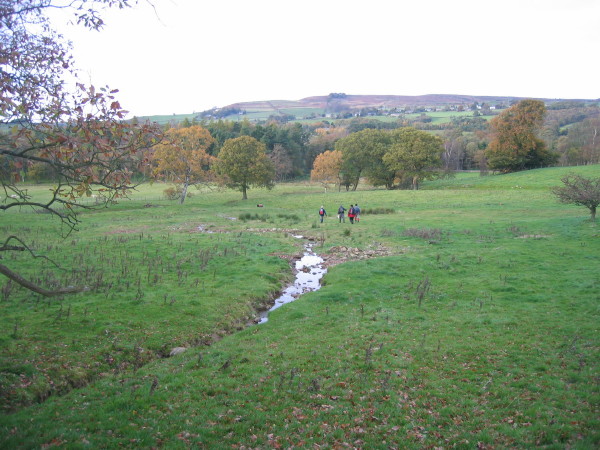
478 330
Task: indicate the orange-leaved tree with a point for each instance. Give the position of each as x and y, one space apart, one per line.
515 145
182 158
327 167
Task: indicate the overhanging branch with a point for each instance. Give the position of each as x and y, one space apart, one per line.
38 289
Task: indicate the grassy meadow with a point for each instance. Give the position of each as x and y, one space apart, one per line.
477 326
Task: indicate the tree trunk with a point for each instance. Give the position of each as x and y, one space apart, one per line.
593 213
244 195
183 193
415 183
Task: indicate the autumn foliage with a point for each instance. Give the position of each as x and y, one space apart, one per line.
515 145
75 134
182 158
326 168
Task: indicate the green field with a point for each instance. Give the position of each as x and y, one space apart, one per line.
475 326
440 117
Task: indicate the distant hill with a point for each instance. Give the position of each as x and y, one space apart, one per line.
341 105
339 101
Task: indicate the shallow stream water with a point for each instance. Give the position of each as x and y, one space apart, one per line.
309 270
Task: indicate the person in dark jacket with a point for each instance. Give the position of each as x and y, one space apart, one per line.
356 213
322 213
341 216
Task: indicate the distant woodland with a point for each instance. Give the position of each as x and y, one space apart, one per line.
570 130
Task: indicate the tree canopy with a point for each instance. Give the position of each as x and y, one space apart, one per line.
514 145
358 150
414 153
182 158
75 133
243 163
327 167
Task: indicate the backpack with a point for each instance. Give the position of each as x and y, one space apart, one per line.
321 212
341 210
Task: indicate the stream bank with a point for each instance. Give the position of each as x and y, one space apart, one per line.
309 270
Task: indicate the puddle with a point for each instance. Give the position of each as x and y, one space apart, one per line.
310 270
204 229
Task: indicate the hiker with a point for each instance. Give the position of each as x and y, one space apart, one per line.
322 213
341 216
356 213
351 214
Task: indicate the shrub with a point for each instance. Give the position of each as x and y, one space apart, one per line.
174 193
378 211
431 234
250 216
290 217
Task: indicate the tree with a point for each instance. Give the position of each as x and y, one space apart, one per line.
378 173
414 153
243 163
514 145
182 158
76 133
582 144
579 190
282 162
322 139
358 150
326 168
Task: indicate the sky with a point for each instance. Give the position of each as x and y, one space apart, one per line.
186 56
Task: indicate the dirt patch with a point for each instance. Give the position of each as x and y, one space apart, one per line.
340 254
196 228
276 230
534 236
126 231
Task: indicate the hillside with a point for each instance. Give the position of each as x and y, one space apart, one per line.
373 101
341 105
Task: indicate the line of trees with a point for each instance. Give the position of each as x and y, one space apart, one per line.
183 159
385 158
470 143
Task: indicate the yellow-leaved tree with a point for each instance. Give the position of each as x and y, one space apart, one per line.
182 159
326 168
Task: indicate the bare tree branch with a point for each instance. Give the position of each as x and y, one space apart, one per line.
38 289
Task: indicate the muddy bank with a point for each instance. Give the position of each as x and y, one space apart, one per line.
341 254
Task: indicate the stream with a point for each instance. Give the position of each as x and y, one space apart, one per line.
309 271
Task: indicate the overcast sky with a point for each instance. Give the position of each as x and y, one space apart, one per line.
187 56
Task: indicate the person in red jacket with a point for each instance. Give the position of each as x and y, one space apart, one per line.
351 214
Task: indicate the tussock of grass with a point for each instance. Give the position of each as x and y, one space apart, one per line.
245 217
430 234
